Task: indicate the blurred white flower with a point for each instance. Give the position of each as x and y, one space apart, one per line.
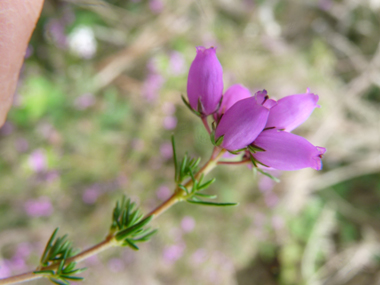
82 42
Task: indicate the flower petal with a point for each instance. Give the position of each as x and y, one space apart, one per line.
286 151
241 124
292 111
205 80
233 94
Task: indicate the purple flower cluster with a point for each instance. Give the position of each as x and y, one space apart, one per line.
255 124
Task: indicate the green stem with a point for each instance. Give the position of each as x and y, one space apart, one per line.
179 195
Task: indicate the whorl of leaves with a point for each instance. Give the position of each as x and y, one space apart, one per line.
56 252
128 224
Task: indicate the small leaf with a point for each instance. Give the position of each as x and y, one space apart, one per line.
255 148
183 188
51 272
206 196
219 141
146 237
78 278
76 271
175 160
204 203
131 244
125 233
188 106
268 175
48 246
237 151
206 185
59 282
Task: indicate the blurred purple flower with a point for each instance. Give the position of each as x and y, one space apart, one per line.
173 253
5 270
170 122
187 224
39 207
278 222
205 81
166 150
91 194
7 129
199 256
177 63
168 108
156 6
152 85
271 199
29 51
84 101
37 160
116 264
163 192
52 176
21 145
56 31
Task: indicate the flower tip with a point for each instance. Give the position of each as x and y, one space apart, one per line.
307 90
321 151
202 49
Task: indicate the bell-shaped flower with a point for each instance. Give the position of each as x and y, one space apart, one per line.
205 81
292 111
286 151
233 94
242 123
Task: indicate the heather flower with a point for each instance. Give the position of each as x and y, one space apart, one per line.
286 151
281 149
205 81
244 121
233 94
292 111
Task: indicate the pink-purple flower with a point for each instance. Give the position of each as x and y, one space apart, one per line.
205 81
244 121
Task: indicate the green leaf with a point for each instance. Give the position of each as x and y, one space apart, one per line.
175 160
130 230
183 188
204 203
268 175
59 282
51 272
78 278
61 264
219 141
190 108
131 244
237 151
48 246
206 196
145 237
255 148
183 167
76 271
205 185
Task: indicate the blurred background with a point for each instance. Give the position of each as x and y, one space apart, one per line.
99 97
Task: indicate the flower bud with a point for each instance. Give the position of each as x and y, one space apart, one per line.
205 81
286 151
242 123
